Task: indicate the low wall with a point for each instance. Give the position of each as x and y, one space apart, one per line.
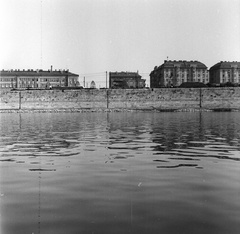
145 99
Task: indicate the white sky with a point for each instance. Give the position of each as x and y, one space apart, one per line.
95 36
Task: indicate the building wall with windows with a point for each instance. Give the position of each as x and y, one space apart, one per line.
174 73
37 79
224 72
125 80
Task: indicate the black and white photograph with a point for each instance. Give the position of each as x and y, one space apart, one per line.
120 116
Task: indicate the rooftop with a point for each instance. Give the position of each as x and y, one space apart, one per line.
38 72
226 65
183 63
122 73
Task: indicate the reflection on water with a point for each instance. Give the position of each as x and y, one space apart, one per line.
120 173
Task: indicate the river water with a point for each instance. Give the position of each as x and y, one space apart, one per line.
120 173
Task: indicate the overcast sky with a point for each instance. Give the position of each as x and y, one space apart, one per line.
90 37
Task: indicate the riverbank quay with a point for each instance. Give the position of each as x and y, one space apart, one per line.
112 110
120 100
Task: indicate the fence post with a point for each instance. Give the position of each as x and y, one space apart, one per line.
107 98
20 100
200 104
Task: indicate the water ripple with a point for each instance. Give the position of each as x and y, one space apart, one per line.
179 165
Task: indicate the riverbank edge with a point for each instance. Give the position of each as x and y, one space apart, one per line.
67 110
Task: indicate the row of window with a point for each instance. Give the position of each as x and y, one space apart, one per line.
189 80
186 75
25 85
35 79
7 79
230 80
187 70
228 71
228 75
7 85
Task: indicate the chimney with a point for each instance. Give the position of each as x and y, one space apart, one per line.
51 68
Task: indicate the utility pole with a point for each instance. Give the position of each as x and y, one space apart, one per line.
84 81
106 90
106 79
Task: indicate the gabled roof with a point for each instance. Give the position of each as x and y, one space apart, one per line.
225 65
36 73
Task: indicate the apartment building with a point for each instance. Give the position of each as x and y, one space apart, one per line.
37 79
224 72
125 80
173 73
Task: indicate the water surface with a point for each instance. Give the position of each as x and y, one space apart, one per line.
120 173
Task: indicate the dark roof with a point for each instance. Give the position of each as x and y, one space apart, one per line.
225 65
36 73
192 85
182 64
124 74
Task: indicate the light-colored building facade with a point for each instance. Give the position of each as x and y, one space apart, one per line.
224 72
37 79
125 80
174 73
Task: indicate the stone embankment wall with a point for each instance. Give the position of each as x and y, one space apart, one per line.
140 99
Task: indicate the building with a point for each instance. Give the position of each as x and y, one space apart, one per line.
93 85
37 79
125 80
224 72
174 73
